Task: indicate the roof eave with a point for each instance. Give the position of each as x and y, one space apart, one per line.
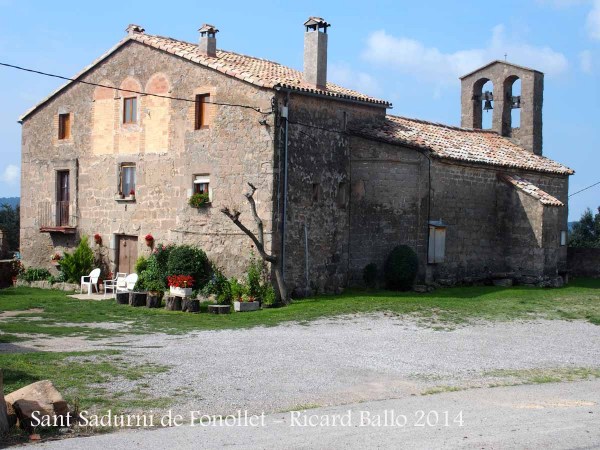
501 62
344 98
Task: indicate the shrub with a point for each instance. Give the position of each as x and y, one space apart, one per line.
161 254
401 268
269 297
188 260
197 200
370 275
150 279
79 263
141 264
34 274
255 282
218 285
237 289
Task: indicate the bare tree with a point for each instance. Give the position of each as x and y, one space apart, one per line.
259 241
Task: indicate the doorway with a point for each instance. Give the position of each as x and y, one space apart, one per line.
127 253
62 198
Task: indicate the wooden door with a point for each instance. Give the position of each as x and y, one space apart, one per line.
127 253
62 198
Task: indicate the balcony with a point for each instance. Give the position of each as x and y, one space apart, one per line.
56 217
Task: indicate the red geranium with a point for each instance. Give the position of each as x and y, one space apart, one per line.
181 281
149 237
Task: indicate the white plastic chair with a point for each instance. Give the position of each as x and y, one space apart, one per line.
112 285
130 281
90 281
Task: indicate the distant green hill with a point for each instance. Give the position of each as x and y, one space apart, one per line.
12 201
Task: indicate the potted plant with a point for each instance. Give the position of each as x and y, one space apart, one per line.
246 303
199 199
156 291
181 285
131 194
149 240
98 239
55 258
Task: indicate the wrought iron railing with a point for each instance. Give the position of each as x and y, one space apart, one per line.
56 215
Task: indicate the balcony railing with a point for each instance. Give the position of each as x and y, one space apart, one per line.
56 217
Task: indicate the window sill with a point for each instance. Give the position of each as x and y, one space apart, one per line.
202 128
125 199
203 205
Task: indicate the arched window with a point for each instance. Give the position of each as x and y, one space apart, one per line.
511 116
483 103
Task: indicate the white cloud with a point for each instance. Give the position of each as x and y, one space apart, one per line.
585 61
593 21
10 175
562 3
342 74
429 63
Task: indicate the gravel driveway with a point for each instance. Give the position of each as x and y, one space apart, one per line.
345 360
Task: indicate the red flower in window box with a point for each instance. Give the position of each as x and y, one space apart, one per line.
181 281
97 239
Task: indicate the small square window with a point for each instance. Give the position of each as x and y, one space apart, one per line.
130 110
201 111
201 185
64 126
127 179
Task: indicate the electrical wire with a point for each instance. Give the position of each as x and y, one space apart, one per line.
585 189
74 80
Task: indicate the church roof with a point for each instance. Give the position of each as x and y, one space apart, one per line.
460 144
530 189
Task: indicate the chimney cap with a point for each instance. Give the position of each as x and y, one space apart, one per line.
314 23
133 28
208 29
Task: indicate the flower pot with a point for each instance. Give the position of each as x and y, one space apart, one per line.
180 292
190 305
14 281
246 306
149 242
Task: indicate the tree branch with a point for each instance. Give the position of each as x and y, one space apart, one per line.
259 245
259 224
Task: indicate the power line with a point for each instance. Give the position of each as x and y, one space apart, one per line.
585 189
74 80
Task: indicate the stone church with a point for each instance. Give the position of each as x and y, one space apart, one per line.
119 151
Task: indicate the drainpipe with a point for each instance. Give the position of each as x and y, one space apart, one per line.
285 114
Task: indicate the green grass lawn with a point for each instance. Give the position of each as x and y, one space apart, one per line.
64 316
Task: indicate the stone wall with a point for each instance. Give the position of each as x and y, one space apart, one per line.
388 204
319 191
584 262
166 150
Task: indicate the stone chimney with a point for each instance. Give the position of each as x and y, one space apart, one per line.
133 28
208 40
315 52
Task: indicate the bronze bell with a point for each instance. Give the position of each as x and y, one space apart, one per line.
488 105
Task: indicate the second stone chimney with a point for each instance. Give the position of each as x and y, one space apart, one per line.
315 52
208 40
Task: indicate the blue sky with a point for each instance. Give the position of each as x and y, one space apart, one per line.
410 53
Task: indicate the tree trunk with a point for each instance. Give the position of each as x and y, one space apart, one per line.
173 304
190 305
122 298
137 299
153 300
3 414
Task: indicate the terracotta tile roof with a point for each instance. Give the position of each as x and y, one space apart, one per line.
260 72
531 189
461 144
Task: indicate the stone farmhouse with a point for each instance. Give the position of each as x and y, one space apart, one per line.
119 151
